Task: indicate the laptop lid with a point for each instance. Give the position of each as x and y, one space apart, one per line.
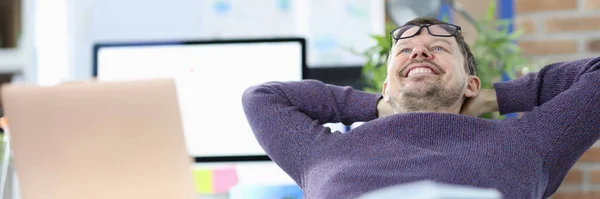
99 140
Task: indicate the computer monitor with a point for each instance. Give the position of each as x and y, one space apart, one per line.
211 77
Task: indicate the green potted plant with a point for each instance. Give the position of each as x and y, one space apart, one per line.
495 52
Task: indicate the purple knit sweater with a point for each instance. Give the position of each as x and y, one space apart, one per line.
522 158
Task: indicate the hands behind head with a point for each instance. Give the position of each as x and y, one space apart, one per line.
484 102
384 108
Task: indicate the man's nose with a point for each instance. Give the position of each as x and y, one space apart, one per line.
421 53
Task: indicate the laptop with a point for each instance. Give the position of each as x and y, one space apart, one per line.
99 140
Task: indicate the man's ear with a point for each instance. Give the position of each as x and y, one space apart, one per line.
384 92
473 86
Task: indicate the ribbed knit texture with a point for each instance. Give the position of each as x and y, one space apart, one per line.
522 158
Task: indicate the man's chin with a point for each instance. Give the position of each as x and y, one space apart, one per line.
418 85
421 78
417 91
419 88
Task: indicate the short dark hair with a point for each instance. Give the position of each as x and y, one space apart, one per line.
470 64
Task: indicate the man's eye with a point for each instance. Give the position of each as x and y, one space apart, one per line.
406 50
437 48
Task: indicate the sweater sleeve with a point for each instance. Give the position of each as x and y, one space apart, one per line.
287 118
562 112
535 89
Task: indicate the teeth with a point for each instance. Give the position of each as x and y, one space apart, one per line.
419 71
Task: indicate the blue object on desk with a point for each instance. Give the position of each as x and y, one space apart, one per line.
266 192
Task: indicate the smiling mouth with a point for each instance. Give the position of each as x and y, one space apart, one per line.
420 71
420 68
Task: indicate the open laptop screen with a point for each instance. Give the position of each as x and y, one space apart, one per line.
211 77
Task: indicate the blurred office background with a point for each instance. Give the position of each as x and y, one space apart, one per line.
50 41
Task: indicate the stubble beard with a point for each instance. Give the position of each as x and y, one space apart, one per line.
431 97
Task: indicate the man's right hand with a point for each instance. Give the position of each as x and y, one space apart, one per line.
384 108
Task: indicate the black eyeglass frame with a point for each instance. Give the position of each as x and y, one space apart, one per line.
426 26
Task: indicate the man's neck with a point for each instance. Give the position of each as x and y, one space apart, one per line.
435 109
422 106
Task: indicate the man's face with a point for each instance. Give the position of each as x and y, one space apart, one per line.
425 72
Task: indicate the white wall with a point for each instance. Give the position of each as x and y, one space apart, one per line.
114 20
51 41
93 21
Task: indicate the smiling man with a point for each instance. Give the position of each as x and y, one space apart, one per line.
423 125
431 71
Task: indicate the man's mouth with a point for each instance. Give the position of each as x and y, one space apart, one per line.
419 69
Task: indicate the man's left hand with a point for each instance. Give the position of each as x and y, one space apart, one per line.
484 102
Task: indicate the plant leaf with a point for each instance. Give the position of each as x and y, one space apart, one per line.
491 11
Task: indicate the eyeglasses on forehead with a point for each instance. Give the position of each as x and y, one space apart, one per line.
438 30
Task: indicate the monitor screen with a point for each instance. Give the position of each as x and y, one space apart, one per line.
211 77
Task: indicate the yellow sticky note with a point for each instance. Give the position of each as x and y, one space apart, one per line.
204 182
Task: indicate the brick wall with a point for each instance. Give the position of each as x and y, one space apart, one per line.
558 30
583 181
